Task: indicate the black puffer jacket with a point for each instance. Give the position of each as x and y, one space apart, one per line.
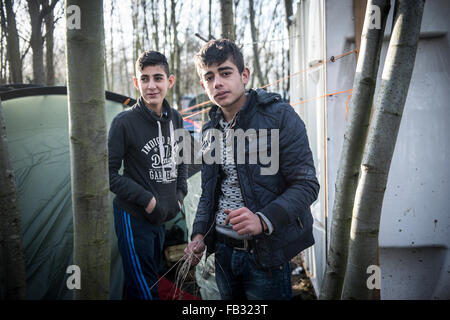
284 197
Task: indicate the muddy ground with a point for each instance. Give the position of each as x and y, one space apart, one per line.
302 288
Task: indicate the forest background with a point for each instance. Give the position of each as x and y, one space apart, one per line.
32 48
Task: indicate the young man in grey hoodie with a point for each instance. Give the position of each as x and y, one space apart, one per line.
151 189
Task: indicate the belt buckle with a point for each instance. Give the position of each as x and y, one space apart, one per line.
245 247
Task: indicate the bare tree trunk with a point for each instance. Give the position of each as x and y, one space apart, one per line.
49 42
168 44
111 62
155 22
107 81
289 12
289 15
2 52
226 16
12 262
3 35
352 150
210 20
166 26
136 42
145 37
37 43
359 10
126 78
380 147
253 31
88 150
12 47
176 55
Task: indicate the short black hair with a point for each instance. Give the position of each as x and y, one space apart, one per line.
218 51
152 58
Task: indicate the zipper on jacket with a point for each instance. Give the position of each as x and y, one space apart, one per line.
300 222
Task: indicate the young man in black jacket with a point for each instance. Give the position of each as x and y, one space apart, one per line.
254 217
152 187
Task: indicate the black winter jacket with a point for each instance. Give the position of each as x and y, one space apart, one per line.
284 197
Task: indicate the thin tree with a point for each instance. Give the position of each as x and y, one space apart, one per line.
254 34
145 34
176 57
49 43
289 13
155 23
210 36
12 42
111 62
135 19
36 41
384 127
38 11
166 29
352 150
12 263
88 149
125 79
226 18
2 52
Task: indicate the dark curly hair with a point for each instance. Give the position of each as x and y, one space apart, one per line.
217 51
152 58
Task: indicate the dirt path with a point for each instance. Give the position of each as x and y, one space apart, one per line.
302 288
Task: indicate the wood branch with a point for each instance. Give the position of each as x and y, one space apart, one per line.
201 37
46 9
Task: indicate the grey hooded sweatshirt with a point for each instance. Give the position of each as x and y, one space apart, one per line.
141 139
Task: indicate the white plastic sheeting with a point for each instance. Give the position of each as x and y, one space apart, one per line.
205 270
38 143
414 230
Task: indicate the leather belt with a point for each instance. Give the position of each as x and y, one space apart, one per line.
234 243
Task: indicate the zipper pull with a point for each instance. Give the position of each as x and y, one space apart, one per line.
300 222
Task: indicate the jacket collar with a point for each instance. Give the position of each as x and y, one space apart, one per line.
246 111
166 112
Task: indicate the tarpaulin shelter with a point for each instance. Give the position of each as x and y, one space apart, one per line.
37 127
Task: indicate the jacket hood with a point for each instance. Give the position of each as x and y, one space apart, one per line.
166 114
264 97
255 98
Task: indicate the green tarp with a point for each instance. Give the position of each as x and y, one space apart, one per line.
37 129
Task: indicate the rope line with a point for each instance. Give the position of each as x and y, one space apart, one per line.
295 104
331 59
319 97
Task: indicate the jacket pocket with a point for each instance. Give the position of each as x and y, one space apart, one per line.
166 208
